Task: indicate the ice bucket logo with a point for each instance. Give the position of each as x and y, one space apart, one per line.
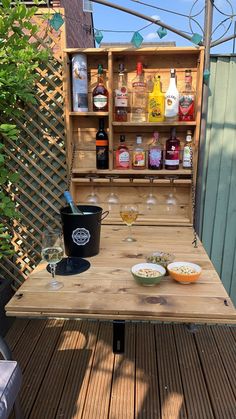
81 236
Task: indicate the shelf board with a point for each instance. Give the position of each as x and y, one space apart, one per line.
88 113
133 172
154 124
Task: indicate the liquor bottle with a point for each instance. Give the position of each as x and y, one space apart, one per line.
100 93
172 152
73 206
172 99
139 155
155 153
79 83
156 102
121 96
187 151
102 154
187 98
122 155
139 96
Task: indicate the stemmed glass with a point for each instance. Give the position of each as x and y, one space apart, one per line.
171 200
52 252
112 198
151 199
129 214
92 198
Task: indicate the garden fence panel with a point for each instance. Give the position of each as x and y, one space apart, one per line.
39 157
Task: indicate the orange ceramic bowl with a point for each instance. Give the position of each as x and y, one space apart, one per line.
181 272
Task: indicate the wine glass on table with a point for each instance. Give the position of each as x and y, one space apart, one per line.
52 252
129 214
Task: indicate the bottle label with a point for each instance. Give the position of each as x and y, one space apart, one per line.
187 157
100 101
123 159
139 85
171 105
172 156
186 107
156 109
139 159
121 97
154 157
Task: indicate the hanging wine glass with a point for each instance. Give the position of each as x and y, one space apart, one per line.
151 198
171 200
92 197
112 198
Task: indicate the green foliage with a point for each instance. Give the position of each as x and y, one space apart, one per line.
19 57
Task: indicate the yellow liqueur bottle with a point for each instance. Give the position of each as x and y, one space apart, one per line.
156 102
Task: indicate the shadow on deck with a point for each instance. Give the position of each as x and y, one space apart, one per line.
166 372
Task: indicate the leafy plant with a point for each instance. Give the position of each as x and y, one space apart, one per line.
19 57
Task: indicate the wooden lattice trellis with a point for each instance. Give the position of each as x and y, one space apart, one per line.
40 159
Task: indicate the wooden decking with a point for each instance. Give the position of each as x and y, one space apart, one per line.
167 371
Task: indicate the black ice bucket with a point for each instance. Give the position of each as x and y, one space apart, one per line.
82 232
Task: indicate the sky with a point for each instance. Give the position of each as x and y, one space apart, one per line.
117 26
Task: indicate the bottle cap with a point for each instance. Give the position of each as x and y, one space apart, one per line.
121 67
172 72
100 69
139 139
68 197
139 67
155 135
122 138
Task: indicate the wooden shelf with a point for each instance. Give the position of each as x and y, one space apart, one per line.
132 172
155 124
88 113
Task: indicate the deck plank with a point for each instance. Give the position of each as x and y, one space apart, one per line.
76 385
147 391
123 381
219 388
99 390
166 372
171 390
195 391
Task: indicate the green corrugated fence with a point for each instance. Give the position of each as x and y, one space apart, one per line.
217 206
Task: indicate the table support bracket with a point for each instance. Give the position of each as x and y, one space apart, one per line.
118 336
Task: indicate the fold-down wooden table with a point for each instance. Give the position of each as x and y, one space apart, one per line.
108 291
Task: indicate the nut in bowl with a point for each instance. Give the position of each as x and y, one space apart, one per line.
184 272
161 258
148 274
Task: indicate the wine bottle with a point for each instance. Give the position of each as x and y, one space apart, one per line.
172 152
100 93
139 96
73 206
139 156
172 99
102 154
156 102
187 97
121 96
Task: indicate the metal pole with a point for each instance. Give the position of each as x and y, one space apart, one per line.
207 43
141 16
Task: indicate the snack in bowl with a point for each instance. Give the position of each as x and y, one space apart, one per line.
184 272
148 273
161 258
